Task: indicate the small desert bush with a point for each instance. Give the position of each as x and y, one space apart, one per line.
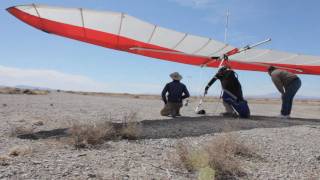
218 158
16 129
130 129
20 150
4 160
10 90
91 134
35 92
223 153
84 135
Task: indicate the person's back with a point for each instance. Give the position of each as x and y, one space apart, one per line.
176 91
230 82
282 78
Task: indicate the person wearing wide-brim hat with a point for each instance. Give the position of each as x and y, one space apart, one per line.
176 76
172 96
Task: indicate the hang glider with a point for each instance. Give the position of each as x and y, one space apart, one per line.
123 32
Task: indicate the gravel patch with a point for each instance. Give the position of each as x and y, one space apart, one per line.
289 148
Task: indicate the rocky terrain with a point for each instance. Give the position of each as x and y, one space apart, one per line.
284 149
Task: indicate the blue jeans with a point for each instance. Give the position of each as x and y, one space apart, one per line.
241 107
287 97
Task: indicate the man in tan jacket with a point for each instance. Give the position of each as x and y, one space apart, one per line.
287 84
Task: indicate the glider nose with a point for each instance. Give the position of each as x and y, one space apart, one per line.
21 8
26 13
9 9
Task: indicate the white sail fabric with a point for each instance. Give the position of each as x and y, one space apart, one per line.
278 57
133 28
28 9
70 16
102 21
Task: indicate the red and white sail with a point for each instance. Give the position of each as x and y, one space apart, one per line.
126 33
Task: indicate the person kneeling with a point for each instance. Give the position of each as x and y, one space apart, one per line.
176 91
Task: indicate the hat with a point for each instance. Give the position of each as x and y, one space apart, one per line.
176 76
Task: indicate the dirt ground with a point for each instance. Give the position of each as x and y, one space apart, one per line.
290 148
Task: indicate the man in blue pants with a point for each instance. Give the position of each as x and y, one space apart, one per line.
233 100
287 84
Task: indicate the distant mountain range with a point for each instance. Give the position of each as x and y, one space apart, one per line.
33 87
28 87
278 96
264 96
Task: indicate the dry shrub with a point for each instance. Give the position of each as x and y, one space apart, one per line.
91 134
4 160
35 92
131 129
84 135
223 152
38 123
10 90
16 130
219 156
195 160
20 150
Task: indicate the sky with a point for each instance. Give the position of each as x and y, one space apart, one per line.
31 57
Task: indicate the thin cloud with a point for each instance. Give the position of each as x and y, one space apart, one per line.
52 79
10 76
194 3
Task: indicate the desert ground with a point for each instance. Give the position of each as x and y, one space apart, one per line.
38 139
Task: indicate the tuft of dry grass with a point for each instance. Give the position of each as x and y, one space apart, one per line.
16 130
84 135
223 152
20 150
11 90
4 160
35 92
131 129
218 158
90 134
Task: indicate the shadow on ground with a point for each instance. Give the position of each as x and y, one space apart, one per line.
191 126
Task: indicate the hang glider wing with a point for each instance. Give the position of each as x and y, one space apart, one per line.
123 32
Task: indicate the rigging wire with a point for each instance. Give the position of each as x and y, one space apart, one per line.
225 41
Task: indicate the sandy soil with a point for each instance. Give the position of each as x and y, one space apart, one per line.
290 148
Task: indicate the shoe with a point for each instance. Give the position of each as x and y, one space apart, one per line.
284 116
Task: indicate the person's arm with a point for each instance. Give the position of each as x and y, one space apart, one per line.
185 93
277 82
163 94
210 83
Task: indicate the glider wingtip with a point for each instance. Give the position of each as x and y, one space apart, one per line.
9 9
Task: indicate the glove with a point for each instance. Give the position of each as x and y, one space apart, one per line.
206 90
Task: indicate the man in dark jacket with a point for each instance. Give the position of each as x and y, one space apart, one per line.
176 91
287 84
233 100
